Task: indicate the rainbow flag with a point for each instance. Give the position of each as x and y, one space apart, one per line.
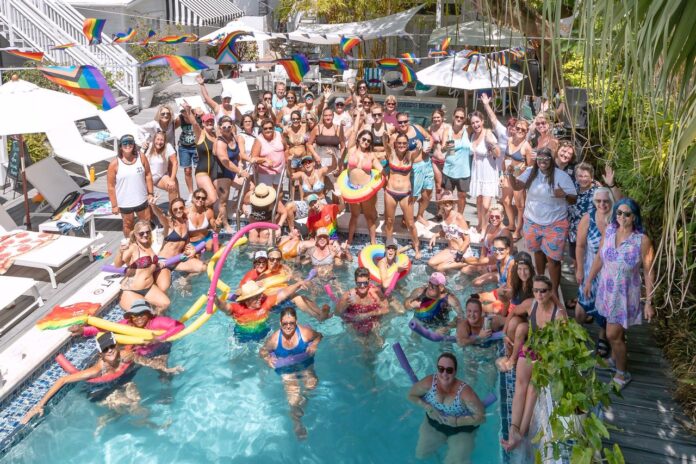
64 316
92 28
174 39
389 64
348 44
227 48
84 81
63 46
441 49
296 67
29 55
124 37
445 44
471 57
410 58
150 35
336 64
429 308
407 73
180 64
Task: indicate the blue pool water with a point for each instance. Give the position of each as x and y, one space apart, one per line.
228 406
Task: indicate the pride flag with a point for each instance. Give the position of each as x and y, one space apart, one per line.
336 64
296 67
150 35
124 37
389 64
29 55
64 316
227 48
410 58
177 39
180 64
92 28
407 73
64 46
347 44
84 81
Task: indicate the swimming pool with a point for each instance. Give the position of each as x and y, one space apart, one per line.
229 406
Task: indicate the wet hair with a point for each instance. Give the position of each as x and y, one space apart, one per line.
504 239
449 356
535 169
361 272
542 278
521 290
475 299
171 205
288 311
635 209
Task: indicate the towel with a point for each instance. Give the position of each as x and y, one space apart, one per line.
18 242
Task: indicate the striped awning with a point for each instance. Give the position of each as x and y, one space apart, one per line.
202 12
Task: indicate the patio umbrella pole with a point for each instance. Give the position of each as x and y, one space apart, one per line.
24 182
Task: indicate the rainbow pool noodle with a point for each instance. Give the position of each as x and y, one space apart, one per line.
170 262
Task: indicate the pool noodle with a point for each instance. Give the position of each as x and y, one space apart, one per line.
216 242
392 284
169 262
290 360
401 356
436 337
329 291
223 257
70 369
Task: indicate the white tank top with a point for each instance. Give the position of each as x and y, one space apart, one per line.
131 190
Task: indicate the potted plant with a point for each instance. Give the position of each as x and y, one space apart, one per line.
567 368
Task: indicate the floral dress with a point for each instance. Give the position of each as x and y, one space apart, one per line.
618 291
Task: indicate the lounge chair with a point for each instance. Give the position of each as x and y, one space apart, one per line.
118 123
68 144
373 77
53 257
240 93
196 101
341 81
213 72
393 83
12 288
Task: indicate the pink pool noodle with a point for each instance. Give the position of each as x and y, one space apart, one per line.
70 369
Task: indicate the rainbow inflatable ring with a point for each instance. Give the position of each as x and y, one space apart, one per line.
369 256
351 194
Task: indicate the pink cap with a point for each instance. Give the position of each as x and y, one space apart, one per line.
208 117
438 278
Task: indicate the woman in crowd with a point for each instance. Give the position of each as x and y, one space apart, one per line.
163 165
433 303
283 116
441 135
485 263
312 182
207 167
296 139
565 158
164 122
455 230
453 412
261 200
623 250
516 327
129 184
549 192
541 312
329 140
201 220
503 262
247 136
390 109
263 111
142 268
518 157
230 159
309 107
456 172
589 235
357 92
484 183
398 190
474 327
225 108
541 135
322 253
363 306
188 118
380 131
361 160
293 339
268 154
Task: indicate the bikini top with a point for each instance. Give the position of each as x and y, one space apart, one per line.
504 271
316 187
516 155
353 163
456 409
204 225
143 262
533 326
282 352
175 237
327 140
452 231
401 169
296 139
325 261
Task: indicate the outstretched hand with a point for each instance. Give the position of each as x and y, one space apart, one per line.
485 99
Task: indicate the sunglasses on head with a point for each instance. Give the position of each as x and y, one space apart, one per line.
540 290
448 369
620 212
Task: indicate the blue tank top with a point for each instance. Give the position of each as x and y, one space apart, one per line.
413 141
458 165
281 352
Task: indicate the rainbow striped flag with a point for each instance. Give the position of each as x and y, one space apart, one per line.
389 64
180 64
174 39
296 67
227 48
150 35
336 64
92 28
348 44
124 37
410 58
64 46
28 54
84 81
407 73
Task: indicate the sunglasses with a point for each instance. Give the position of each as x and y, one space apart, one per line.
391 103
541 290
225 127
268 99
459 117
109 349
260 261
520 129
498 249
200 198
274 259
340 104
295 119
127 144
494 217
267 128
623 213
541 124
145 233
362 284
432 285
376 114
367 102
544 159
599 201
166 114
177 210
449 370
362 87
365 139
402 122
288 324
261 108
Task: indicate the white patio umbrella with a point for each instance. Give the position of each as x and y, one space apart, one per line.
486 75
28 109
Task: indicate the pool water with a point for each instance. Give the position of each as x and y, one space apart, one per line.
228 406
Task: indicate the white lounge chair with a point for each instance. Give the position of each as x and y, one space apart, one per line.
12 288
213 72
53 257
118 123
341 81
68 144
240 93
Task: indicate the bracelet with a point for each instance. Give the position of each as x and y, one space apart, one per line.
611 186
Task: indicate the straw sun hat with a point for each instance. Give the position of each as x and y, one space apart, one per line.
250 289
262 196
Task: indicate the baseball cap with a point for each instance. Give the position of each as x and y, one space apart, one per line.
105 341
207 117
312 198
391 243
226 94
339 100
260 254
126 139
139 306
308 94
437 278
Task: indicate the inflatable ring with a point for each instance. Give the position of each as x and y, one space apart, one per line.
369 256
271 285
351 194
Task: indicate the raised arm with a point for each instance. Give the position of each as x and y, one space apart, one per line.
204 93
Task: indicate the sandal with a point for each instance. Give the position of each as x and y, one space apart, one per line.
571 304
602 348
516 237
620 382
